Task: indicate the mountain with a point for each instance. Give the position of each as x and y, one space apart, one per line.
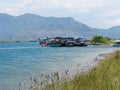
30 27
114 32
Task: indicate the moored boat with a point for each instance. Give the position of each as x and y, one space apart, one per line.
80 42
55 44
63 42
116 43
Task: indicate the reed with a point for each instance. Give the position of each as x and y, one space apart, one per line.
104 76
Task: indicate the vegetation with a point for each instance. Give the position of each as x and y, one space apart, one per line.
105 76
100 40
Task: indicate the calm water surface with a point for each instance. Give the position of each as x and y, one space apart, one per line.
19 61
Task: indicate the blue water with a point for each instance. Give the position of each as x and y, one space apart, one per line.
19 61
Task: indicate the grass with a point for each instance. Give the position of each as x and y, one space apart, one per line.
104 76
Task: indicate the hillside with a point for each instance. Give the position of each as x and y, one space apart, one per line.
30 27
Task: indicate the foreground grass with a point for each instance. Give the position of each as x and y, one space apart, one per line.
105 76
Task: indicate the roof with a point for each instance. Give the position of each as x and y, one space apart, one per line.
117 40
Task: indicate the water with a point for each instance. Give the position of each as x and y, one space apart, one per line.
19 61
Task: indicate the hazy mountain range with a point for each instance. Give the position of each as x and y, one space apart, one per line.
30 27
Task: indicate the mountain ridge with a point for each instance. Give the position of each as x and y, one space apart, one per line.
30 27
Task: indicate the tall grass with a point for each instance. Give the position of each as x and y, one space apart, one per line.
104 76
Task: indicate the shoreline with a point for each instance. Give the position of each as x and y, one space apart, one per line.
104 76
53 81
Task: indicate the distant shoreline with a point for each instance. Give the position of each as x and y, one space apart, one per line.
16 41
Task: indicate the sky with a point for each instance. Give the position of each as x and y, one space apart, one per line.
94 13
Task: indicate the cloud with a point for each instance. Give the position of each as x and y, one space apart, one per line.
112 13
34 5
113 22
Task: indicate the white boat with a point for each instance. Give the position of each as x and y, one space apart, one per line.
116 43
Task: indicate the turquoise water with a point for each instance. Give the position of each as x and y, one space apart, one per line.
19 61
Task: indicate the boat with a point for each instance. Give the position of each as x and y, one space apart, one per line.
42 42
44 45
68 42
116 43
54 44
62 42
80 42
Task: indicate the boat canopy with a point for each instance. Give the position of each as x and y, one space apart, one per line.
117 41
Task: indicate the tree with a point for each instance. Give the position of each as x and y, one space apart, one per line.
100 40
